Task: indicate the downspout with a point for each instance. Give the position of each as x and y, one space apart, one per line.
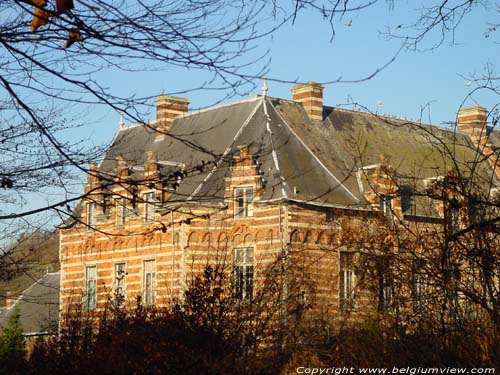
61 306
284 264
173 256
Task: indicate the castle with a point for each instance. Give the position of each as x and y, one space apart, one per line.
266 181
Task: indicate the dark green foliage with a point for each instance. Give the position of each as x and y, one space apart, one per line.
12 347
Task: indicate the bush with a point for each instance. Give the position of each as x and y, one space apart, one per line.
12 347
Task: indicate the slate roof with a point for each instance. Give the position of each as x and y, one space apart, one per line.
38 306
300 160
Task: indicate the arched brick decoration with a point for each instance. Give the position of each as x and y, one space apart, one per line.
248 239
294 236
193 238
308 237
222 242
206 240
236 239
323 238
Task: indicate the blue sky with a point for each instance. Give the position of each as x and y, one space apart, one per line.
304 52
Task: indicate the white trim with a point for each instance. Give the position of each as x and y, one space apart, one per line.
273 152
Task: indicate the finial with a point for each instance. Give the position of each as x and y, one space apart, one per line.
121 123
264 87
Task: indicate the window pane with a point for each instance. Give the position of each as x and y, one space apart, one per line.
239 202
149 206
346 281
120 279
91 287
249 201
149 282
243 273
91 214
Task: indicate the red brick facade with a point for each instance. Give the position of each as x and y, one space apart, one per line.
315 250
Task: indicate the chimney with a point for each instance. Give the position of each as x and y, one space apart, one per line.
10 299
92 177
310 94
472 121
167 109
150 166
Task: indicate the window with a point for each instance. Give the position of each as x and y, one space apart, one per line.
243 273
385 286
91 214
91 281
453 219
346 281
121 211
406 198
149 206
386 205
149 282
120 282
330 217
243 201
418 288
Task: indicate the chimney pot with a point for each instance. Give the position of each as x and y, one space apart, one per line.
472 121
167 109
310 94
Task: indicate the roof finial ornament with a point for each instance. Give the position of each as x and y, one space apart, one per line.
264 87
121 123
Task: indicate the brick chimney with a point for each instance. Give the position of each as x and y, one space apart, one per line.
167 109
310 94
150 166
472 121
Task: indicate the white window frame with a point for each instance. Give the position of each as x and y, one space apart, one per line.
243 273
386 294
347 281
121 211
90 288
386 205
418 291
91 211
243 201
120 286
149 282
149 199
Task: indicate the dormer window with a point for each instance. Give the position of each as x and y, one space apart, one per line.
149 206
386 205
121 211
243 201
91 214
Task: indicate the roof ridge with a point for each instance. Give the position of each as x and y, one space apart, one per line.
217 106
394 118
